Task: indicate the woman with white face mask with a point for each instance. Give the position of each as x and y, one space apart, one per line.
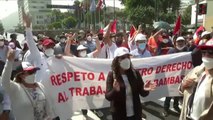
48 47
123 87
29 100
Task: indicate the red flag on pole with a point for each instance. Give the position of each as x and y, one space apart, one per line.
177 26
132 31
113 27
99 5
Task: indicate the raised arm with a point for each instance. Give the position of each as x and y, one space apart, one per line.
98 47
7 84
67 51
35 54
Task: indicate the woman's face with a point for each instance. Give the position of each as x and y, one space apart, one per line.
124 62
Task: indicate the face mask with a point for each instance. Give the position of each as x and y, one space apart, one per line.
208 62
142 46
118 42
125 64
83 54
83 42
180 48
1 43
89 38
40 47
62 40
30 79
165 40
49 52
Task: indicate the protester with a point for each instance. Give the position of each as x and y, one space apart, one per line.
60 46
13 38
25 93
90 42
141 51
164 45
197 88
190 42
205 36
3 53
123 92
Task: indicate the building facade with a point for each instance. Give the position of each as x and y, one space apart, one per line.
38 11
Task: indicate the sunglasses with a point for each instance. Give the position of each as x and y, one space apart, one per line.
210 52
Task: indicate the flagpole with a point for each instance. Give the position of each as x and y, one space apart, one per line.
114 9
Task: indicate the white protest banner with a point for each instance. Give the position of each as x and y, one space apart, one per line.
77 83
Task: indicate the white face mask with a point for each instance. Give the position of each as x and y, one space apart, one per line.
62 40
1 43
208 62
89 38
83 53
49 52
125 64
165 41
83 42
180 48
30 79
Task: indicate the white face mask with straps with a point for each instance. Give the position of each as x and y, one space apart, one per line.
208 62
125 63
30 79
49 52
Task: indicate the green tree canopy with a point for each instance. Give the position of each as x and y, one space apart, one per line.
186 18
69 22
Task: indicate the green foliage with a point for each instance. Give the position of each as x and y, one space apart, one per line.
142 15
146 11
186 18
1 28
167 17
69 22
55 25
19 28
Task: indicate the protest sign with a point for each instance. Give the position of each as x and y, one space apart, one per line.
77 83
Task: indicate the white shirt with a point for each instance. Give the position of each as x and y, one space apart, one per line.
35 57
200 102
107 51
137 54
129 99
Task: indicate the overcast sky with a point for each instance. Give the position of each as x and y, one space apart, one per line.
9 6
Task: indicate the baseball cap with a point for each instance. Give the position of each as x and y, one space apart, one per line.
205 33
180 39
25 67
121 51
208 45
48 42
81 47
140 37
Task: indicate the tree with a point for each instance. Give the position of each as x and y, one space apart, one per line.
186 17
141 15
69 22
1 28
55 25
19 28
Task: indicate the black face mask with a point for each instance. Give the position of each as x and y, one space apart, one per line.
100 37
118 42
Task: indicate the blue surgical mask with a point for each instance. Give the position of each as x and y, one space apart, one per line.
142 46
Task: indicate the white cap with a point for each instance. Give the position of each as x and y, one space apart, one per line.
1 37
121 51
180 38
140 37
81 47
205 33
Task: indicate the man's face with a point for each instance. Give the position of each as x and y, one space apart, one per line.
207 53
180 43
190 40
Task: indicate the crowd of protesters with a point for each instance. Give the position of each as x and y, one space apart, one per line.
23 67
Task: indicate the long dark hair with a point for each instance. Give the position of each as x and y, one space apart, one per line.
116 69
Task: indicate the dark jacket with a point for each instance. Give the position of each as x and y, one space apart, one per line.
118 99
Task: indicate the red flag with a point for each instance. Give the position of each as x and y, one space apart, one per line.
99 5
113 27
132 31
177 26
